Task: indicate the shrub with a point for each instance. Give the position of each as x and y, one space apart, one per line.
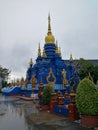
46 97
87 97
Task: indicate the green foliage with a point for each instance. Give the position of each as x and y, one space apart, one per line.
46 97
86 67
4 74
87 97
95 74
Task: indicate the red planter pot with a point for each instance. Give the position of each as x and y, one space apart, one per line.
89 121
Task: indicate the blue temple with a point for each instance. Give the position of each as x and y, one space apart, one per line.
49 66
49 69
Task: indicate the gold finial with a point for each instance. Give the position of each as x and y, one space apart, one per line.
49 38
60 52
25 83
31 63
71 58
44 54
49 26
17 82
12 83
56 49
39 50
21 81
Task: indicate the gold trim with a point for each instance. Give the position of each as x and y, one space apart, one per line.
49 74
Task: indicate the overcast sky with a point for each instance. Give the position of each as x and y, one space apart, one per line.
23 24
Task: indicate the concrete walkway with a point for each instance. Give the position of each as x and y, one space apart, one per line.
49 121
38 119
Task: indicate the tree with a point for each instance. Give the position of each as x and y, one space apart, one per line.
95 74
46 97
87 97
4 74
87 68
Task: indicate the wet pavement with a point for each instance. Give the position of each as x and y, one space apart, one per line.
47 121
17 114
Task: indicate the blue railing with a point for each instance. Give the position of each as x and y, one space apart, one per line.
61 110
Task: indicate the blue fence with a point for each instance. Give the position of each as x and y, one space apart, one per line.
61 110
66 101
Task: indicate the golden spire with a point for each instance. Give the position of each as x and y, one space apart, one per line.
12 83
31 63
56 49
44 54
49 26
60 52
21 81
39 50
71 58
17 82
49 38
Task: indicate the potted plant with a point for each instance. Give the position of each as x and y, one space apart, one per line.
87 102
